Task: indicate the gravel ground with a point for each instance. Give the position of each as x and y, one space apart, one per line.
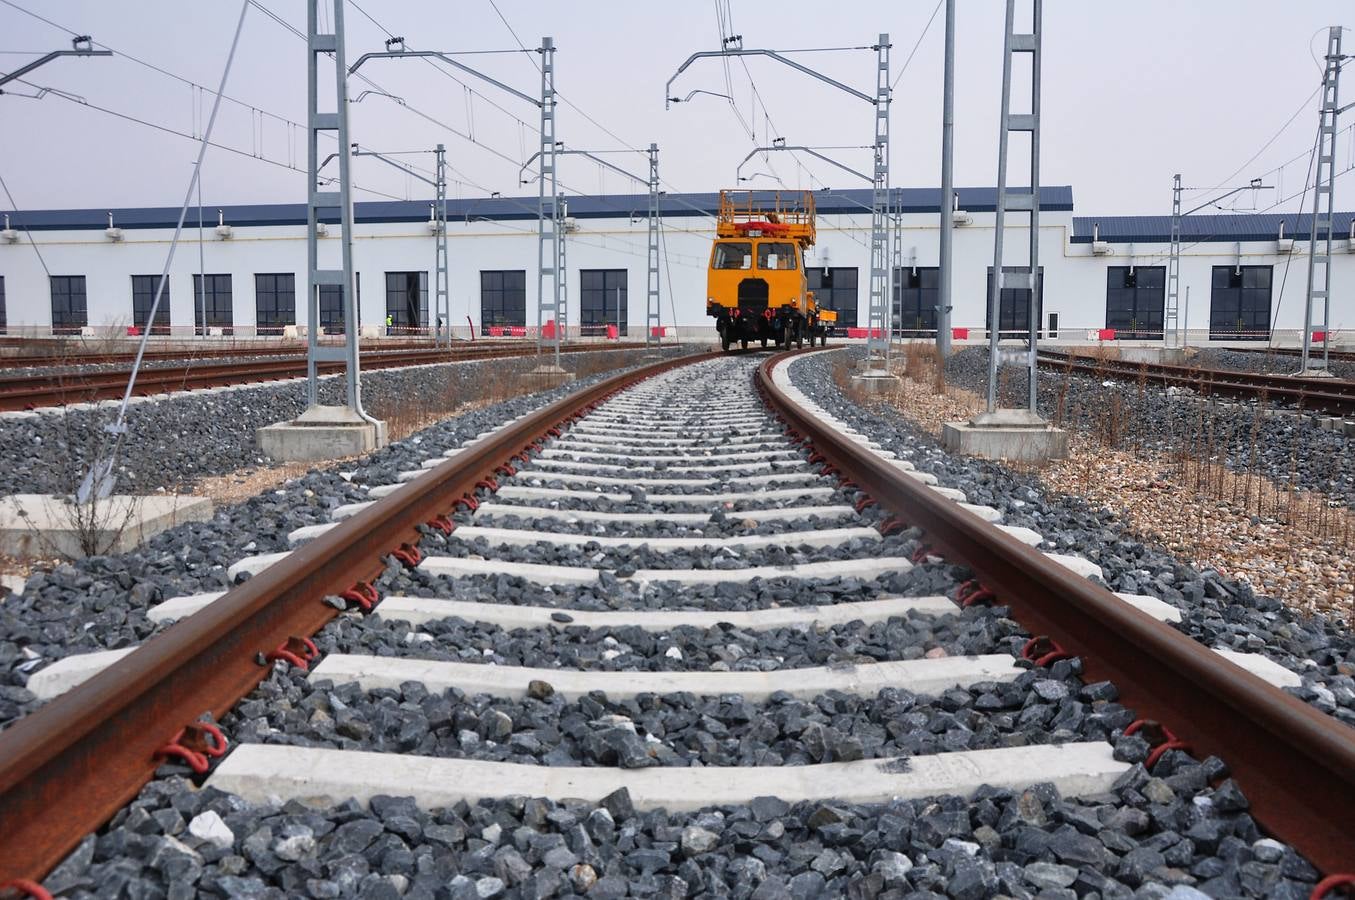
182 437
1168 833
1271 363
1215 610
99 603
1280 448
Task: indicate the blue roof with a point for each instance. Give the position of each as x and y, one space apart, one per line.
1234 227
841 202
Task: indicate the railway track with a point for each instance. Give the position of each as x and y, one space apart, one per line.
1328 395
676 571
64 357
18 392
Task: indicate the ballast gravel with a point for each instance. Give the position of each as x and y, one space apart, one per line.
1215 611
100 603
1282 448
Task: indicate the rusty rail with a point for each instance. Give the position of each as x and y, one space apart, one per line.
1296 765
1331 395
68 767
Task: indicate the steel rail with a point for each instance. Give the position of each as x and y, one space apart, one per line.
55 358
1296 765
1331 395
69 766
31 391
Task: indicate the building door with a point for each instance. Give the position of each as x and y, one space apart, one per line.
503 299
216 301
1239 303
332 306
835 288
69 310
407 300
1013 305
1135 298
916 295
602 300
143 297
274 302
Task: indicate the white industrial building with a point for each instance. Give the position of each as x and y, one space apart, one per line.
1246 273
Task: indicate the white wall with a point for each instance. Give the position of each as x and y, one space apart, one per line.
1075 280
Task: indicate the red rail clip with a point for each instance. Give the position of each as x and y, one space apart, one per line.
973 592
193 746
1159 737
363 594
522 456
553 431
467 501
892 525
298 651
921 553
1044 651
828 470
31 888
1331 883
817 457
865 503
507 470
489 484
408 554
442 523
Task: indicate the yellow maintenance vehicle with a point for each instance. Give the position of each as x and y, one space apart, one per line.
755 286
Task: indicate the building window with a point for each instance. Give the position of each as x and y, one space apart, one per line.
332 305
916 295
835 289
69 312
1239 305
503 298
1135 298
602 300
143 298
3 321
407 300
1013 313
216 302
274 302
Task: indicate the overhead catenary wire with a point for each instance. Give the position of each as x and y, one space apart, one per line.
913 52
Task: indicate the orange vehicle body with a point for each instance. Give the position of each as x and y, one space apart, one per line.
755 281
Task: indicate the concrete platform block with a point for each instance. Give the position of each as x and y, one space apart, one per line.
321 432
1348 426
1010 434
545 377
875 382
43 525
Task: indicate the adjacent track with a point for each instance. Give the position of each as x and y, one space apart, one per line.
33 391
1329 395
664 444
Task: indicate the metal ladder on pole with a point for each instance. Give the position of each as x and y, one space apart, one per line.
653 321
1017 202
442 301
317 200
877 341
896 264
1171 323
1319 259
550 251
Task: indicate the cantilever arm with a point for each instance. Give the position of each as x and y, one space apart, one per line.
809 150
770 54
24 70
602 162
390 162
392 54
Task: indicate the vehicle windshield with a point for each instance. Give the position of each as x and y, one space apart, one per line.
775 256
733 255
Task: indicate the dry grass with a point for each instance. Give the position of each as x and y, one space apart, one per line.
1296 546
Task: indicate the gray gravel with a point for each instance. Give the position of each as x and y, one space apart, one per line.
99 603
1216 611
176 439
1270 363
1281 448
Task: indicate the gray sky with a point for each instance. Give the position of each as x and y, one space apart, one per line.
1133 92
